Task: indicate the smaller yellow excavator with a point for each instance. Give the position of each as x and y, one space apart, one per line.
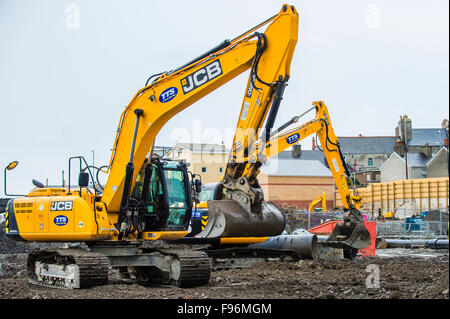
351 233
322 198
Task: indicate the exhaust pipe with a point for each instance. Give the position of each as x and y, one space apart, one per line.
305 245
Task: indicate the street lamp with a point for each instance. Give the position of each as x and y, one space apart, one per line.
93 165
10 167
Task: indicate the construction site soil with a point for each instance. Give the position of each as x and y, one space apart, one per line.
401 277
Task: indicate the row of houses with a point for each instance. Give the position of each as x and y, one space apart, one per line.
411 153
296 176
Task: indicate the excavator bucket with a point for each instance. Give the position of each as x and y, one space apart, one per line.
226 218
351 233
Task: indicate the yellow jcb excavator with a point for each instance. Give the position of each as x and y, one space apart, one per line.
147 198
351 234
322 198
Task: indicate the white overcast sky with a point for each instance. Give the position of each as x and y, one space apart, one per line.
68 68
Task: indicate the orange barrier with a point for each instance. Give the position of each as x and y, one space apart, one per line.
325 228
369 251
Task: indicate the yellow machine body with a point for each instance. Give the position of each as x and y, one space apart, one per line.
58 217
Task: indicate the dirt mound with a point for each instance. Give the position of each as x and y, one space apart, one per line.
8 246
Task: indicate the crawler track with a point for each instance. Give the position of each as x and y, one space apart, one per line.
75 268
186 268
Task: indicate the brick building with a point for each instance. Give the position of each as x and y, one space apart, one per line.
207 160
296 178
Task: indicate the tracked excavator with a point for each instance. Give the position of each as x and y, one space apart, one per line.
146 198
351 234
322 198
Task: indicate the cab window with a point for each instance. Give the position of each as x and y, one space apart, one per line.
177 197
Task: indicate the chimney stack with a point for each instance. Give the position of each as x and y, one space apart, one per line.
404 129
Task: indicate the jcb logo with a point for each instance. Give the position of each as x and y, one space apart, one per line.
61 206
202 76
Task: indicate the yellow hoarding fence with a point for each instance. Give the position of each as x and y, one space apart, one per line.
424 194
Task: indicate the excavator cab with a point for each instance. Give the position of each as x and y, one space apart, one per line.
161 197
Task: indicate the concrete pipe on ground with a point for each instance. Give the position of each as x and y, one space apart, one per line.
411 243
304 245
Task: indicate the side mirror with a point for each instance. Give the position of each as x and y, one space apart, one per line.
83 179
198 185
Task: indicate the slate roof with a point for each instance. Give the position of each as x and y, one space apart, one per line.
417 159
306 155
161 150
432 136
367 144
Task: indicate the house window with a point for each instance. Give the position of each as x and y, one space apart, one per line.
370 161
203 169
424 173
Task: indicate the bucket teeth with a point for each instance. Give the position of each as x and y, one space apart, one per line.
227 218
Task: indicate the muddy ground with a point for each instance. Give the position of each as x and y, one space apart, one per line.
400 277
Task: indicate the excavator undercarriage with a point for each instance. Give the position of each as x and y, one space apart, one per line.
71 268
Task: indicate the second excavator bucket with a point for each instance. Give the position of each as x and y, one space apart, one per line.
227 218
351 233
